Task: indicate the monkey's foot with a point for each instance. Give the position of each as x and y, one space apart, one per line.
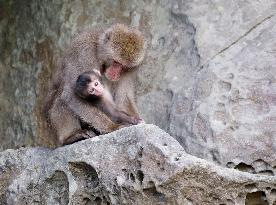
89 134
78 136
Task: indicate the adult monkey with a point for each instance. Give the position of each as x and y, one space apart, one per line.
116 51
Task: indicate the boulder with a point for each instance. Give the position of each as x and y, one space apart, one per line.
136 165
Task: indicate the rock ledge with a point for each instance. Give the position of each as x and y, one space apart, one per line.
137 165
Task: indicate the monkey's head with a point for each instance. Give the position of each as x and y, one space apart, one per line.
120 49
89 85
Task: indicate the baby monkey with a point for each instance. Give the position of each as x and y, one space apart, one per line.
90 87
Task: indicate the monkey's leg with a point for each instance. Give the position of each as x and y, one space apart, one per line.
78 136
66 124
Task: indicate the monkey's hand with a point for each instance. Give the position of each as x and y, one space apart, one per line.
141 121
137 120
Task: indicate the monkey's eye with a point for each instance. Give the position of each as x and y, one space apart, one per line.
96 83
108 36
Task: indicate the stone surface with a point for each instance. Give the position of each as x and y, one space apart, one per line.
220 24
242 104
208 79
137 165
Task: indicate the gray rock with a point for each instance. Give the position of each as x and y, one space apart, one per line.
241 107
220 24
136 165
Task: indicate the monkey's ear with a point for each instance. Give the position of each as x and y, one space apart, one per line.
97 72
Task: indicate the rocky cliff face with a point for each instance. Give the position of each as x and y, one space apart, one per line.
137 165
208 79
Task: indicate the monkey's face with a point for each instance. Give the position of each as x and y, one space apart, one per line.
120 49
112 70
89 84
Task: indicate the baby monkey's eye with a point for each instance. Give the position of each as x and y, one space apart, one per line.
96 83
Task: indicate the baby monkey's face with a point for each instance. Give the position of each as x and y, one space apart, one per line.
89 84
95 88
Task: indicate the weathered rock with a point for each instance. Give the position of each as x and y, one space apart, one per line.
220 24
137 165
241 107
215 118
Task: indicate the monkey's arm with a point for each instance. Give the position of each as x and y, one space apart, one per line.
91 115
125 97
117 116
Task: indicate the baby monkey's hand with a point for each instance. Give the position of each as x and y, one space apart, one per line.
137 120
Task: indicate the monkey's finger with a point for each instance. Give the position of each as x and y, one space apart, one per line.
141 121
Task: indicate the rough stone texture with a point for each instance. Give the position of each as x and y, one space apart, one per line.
137 165
242 104
219 24
227 114
208 79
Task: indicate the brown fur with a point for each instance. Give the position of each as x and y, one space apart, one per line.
90 49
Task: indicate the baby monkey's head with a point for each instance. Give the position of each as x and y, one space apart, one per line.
89 85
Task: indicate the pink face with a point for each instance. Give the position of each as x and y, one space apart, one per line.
114 71
95 88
